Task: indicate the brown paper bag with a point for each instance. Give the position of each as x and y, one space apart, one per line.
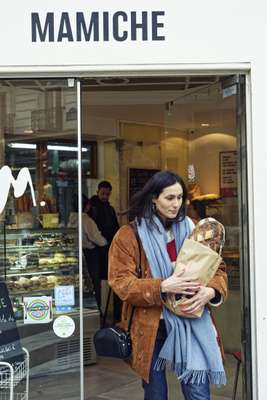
199 260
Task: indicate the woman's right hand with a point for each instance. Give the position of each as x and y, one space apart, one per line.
176 283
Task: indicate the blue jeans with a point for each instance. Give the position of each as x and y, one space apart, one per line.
157 388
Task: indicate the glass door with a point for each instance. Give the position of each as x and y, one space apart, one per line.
193 125
40 268
204 141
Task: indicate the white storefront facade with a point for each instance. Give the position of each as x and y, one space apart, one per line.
66 39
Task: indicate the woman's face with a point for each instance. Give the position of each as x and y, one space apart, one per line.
169 201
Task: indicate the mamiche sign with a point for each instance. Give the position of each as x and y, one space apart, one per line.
97 26
69 33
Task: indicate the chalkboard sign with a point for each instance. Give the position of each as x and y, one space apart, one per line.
137 179
10 346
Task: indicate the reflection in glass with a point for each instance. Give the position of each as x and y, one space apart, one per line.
38 252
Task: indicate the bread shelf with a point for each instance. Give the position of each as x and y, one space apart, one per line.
54 265
35 272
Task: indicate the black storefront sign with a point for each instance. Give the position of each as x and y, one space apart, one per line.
10 346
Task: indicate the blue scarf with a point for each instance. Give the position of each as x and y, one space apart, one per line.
191 346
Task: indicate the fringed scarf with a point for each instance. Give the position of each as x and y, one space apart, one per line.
191 347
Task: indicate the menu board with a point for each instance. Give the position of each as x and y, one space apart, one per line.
228 174
10 347
137 179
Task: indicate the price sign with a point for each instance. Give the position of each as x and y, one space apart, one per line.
64 297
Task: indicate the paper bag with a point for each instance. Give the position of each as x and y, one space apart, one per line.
199 260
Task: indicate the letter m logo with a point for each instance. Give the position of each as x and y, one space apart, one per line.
19 185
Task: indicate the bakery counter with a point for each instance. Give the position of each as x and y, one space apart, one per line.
40 248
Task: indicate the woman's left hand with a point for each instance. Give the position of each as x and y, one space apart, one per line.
200 299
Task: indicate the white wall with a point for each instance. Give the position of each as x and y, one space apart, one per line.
207 148
201 33
195 32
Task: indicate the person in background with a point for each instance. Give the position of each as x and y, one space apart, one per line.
105 217
92 239
159 337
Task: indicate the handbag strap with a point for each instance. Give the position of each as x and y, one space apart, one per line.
138 268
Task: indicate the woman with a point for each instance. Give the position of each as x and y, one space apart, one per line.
91 238
158 336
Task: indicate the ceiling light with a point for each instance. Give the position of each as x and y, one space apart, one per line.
205 125
64 148
49 147
22 146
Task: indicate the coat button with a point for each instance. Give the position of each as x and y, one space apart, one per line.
144 311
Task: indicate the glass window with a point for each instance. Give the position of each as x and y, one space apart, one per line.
39 249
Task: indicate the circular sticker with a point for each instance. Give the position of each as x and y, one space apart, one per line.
63 326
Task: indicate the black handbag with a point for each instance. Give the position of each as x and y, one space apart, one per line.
114 341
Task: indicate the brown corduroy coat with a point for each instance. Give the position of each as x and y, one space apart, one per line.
144 294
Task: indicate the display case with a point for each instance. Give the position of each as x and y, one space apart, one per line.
33 263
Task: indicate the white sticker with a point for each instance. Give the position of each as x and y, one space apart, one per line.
64 295
64 326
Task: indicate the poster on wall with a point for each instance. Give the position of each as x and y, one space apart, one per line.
228 173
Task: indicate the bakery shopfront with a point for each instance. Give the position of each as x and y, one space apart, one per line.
116 93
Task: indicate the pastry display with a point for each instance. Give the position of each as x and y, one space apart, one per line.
22 283
44 261
58 258
36 262
35 281
72 260
43 281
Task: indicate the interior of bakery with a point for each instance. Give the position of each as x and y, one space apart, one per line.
131 127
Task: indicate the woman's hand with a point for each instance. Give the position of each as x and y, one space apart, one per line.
200 299
176 283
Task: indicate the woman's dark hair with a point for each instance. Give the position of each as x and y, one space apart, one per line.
141 205
75 202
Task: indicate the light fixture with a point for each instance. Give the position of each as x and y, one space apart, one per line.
169 108
64 148
22 146
205 124
49 147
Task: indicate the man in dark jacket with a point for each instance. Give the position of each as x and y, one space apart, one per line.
103 213
106 220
